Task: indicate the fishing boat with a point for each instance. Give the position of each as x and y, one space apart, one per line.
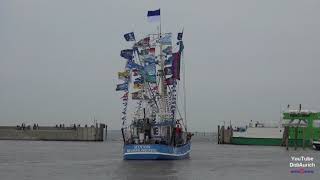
153 118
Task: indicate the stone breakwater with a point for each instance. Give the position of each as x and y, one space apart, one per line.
76 133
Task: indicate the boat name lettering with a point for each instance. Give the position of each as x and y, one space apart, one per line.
142 148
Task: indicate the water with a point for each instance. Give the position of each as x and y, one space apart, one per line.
38 160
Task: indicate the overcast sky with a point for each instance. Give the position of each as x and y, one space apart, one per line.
244 58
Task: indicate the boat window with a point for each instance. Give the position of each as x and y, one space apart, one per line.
316 123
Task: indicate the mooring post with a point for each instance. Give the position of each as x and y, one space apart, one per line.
222 129
295 138
287 137
218 134
304 137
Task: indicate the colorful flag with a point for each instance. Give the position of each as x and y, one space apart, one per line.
127 54
132 65
138 80
181 46
152 51
129 36
154 16
166 39
124 74
155 88
179 37
122 87
169 81
176 66
168 70
137 95
151 78
143 42
137 86
150 69
149 59
125 96
143 52
135 72
167 50
168 61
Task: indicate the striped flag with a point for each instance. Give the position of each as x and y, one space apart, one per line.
154 16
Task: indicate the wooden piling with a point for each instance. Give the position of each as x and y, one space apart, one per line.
219 134
295 137
304 137
285 137
222 135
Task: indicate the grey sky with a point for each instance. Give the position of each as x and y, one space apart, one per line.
244 58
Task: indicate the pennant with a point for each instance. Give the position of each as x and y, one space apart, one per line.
125 95
166 39
167 50
154 16
143 42
123 75
168 70
122 87
127 54
176 66
137 95
129 36
137 86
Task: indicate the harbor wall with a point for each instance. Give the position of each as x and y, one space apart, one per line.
54 134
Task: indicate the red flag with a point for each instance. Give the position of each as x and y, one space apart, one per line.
176 66
152 51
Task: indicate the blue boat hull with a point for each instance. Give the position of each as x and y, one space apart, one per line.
155 152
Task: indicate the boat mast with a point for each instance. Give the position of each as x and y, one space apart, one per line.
162 75
184 92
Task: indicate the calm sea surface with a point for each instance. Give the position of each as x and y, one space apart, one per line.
41 160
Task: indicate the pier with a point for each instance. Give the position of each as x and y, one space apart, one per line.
96 132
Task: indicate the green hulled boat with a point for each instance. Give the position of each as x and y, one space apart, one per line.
301 127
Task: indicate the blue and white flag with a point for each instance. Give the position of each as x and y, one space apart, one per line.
179 37
166 39
150 69
129 36
122 87
127 53
154 16
168 61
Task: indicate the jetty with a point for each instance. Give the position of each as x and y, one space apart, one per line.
97 132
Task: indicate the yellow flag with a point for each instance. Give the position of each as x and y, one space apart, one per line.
124 74
137 86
